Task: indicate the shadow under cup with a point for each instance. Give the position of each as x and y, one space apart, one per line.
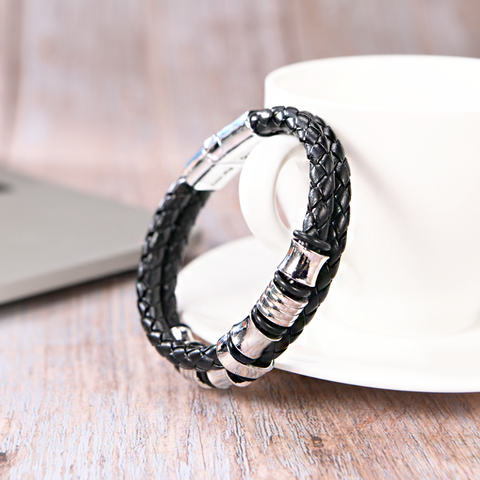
410 126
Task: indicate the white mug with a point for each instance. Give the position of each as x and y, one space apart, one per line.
410 126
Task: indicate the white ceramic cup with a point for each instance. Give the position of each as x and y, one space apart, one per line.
410 126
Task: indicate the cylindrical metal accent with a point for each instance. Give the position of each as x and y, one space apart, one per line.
287 303
270 311
241 384
278 307
182 334
301 264
193 377
249 340
251 372
221 379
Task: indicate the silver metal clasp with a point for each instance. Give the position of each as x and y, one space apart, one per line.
222 156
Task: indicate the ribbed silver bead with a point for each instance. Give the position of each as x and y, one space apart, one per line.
278 307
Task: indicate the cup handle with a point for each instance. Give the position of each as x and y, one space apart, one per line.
258 189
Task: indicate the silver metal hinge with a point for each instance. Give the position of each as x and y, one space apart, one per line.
222 156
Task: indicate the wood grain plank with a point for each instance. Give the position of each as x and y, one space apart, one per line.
83 394
113 98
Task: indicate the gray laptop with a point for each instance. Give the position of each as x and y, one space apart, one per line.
52 237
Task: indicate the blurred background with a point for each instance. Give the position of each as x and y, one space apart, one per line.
113 97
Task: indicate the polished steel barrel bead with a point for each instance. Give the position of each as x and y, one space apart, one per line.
302 264
246 371
248 342
223 379
182 333
193 376
238 350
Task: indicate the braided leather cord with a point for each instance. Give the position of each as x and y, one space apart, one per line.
327 219
160 263
328 208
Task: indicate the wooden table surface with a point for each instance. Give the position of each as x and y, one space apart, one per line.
112 97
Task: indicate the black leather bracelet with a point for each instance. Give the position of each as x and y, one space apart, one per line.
302 280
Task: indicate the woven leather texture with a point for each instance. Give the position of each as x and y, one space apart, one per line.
327 218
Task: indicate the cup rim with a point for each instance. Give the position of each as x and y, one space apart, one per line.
271 82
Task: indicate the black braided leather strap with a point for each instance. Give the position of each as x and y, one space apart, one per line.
324 232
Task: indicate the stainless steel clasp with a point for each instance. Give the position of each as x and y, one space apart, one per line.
222 156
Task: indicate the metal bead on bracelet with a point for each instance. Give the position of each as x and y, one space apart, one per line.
302 279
